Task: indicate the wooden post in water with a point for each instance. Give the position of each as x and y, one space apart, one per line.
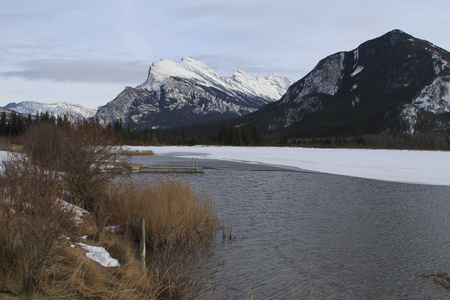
142 248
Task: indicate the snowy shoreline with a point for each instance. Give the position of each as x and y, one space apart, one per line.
408 166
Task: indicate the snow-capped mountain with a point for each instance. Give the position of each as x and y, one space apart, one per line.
392 84
72 111
190 92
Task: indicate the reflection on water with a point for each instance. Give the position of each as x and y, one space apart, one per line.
354 238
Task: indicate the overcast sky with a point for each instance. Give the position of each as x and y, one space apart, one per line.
87 51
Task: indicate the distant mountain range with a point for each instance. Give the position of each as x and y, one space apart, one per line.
393 84
72 111
189 92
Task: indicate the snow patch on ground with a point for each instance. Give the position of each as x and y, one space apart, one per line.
100 255
419 167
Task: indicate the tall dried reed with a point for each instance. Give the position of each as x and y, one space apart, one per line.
174 212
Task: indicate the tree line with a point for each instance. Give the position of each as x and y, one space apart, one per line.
231 134
15 124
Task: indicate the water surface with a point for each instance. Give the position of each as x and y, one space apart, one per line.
352 238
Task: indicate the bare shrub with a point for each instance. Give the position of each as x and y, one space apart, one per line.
84 153
33 221
43 143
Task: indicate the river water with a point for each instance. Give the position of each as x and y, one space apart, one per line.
349 238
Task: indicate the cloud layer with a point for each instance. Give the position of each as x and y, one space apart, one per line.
80 70
108 43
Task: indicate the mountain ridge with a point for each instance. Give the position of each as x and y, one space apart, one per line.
73 111
190 92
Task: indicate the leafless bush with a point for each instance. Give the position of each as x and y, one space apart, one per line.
33 220
83 152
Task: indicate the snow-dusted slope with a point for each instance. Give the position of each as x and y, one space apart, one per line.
189 92
72 111
435 97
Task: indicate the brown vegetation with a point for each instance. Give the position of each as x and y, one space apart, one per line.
136 152
174 213
67 165
33 221
81 152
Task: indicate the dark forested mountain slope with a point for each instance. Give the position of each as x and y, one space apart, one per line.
394 84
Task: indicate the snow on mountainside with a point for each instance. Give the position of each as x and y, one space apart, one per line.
271 87
435 97
72 111
190 92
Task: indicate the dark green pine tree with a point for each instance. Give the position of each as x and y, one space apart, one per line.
3 124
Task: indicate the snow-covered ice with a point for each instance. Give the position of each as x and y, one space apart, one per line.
410 166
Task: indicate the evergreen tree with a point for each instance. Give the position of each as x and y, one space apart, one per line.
3 124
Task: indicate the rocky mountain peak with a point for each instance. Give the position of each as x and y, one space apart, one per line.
189 92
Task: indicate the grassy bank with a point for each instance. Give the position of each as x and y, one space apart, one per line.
39 240
58 198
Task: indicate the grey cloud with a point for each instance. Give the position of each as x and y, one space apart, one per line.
83 70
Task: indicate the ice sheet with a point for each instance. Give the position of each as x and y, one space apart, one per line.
421 167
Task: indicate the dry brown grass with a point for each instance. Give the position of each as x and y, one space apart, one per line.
180 224
87 279
175 214
136 152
